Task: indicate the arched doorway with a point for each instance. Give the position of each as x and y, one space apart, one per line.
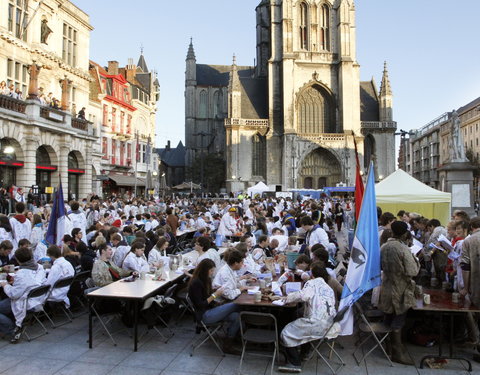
10 160
45 167
75 172
320 168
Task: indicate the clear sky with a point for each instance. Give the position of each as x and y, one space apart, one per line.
431 47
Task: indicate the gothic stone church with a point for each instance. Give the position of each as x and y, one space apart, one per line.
291 120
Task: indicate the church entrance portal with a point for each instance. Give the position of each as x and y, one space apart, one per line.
320 168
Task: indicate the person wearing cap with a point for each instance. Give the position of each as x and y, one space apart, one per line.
397 294
227 226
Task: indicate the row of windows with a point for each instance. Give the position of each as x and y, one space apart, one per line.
203 104
140 95
314 27
17 74
118 121
69 46
121 152
18 18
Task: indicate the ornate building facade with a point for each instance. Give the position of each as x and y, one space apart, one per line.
44 49
291 120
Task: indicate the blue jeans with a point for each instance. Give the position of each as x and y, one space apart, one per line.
228 313
6 323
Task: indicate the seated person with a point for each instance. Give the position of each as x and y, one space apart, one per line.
203 296
29 276
279 235
203 246
104 270
319 312
135 259
6 249
159 250
319 254
250 265
261 249
87 256
61 269
302 264
227 278
120 249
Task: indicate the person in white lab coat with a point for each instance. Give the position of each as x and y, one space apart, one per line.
227 277
135 259
78 219
21 226
61 269
318 315
227 227
29 276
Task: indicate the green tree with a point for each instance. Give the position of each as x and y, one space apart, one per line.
213 166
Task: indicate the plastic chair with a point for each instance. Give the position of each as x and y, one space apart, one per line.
330 343
209 329
34 314
377 331
256 328
62 283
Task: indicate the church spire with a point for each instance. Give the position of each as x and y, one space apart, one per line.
385 88
191 51
234 92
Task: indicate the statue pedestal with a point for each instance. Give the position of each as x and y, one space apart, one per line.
456 177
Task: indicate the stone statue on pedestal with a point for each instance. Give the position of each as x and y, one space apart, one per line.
457 148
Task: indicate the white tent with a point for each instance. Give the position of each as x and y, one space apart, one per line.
400 191
259 188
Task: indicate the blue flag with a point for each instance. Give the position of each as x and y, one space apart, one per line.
363 271
56 225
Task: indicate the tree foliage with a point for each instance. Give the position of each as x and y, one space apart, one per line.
213 171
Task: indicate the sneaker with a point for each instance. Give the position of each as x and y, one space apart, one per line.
17 334
170 301
288 367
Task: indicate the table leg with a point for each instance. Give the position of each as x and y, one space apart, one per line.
90 323
440 355
135 325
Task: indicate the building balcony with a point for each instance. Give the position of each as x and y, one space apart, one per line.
385 125
7 102
261 125
32 113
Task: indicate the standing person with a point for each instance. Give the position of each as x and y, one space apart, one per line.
399 267
172 220
338 212
227 226
38 233
21 227
203 298
5 229
78 219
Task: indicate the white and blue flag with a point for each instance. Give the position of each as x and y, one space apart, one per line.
363 271
56 226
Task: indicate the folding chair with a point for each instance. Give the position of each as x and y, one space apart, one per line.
210 330
80 279
378 331
34 314
168 294
330 343
62 283
103 323
256 328
182 298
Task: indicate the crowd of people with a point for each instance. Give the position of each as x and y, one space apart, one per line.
116 238
11 91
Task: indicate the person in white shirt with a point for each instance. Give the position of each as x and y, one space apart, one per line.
78 220
21 226
227 226
227 278
29 276
314 233
120 249
279 235
203 247
157 252
61 269
135 259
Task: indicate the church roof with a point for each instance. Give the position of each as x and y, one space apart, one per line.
142 64
467 107
173 157
218 75
369 106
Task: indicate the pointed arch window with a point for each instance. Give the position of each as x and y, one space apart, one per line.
316 112
303 31
202 106
259 159
218 103
325 28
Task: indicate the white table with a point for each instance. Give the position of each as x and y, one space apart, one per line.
136 291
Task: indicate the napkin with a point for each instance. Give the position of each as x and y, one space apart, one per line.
254 290
278 302
276 289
